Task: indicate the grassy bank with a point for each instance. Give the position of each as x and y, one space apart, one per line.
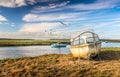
30 42
110 40
57 65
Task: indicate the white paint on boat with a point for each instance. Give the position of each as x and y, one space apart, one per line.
85 45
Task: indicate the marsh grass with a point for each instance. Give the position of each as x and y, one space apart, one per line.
30 42
61 65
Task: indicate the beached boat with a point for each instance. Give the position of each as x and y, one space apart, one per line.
58 45
85 45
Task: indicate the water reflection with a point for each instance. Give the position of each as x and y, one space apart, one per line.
110 44
20 51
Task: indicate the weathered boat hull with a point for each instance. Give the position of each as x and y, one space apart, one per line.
85 51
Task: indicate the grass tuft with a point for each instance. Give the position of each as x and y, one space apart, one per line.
59 65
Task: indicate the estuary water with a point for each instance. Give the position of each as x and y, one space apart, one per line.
110 44
22 51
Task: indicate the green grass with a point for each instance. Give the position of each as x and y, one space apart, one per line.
110 40
30 42
58 65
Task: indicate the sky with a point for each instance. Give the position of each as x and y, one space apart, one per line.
42 19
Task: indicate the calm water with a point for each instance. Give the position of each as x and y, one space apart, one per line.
20 51
110 44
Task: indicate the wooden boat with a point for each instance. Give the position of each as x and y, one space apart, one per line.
85 45
58 45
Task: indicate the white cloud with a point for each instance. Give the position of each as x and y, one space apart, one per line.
31 35
23 35
39 27
16 3
12 3
12 25
47 17
54 17
51 6
31 2
36 31
2 18
99 25
39 13
58 5
99 4
42 30
19 3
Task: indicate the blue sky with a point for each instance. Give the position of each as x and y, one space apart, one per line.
35 19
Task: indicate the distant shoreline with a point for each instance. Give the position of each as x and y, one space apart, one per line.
20 42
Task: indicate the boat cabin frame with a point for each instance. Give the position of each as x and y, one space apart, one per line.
85 40
86 45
